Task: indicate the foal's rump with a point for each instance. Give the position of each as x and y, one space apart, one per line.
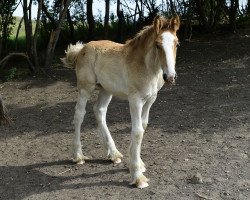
72 54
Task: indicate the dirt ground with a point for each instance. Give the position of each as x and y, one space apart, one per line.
200 125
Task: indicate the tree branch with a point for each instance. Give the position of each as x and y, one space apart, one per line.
23 55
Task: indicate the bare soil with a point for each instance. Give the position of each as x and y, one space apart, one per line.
197 145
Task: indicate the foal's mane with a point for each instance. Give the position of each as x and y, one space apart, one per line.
141 38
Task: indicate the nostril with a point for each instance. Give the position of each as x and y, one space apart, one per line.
171 79
165 77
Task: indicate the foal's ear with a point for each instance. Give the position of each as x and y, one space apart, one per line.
158 23
175 23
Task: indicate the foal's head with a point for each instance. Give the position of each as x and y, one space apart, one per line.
166 43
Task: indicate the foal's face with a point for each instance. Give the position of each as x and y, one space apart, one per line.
166 45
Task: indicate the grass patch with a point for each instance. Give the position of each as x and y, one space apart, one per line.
20 44
22 29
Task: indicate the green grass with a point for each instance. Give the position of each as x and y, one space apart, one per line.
21 37
22 29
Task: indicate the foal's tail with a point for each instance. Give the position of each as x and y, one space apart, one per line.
71 54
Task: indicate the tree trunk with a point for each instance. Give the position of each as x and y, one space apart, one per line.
172 7
248 8
202 14
28 30
37 28
91 20
220 8
31 40
233 14
46 12
135 14
188 22
4 117
6 21
17 32
120 22
106 19
55 34
71 26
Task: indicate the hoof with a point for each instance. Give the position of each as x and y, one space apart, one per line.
80 159
140 182
117 160
80 162
141 185
116 157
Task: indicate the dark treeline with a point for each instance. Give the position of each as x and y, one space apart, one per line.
60 22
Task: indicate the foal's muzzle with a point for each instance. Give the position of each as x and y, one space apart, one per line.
169 79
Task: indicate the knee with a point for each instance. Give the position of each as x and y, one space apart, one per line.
137 135
99 111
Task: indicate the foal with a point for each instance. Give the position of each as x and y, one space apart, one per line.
134 71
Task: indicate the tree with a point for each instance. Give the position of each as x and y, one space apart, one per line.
55 33
120 21
106 18
91 20
234 6
172 7
248 8
209 12
71 26
6 23
31 39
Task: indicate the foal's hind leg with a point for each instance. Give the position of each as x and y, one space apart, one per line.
80 111
100 110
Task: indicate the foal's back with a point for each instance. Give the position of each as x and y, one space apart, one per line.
104 47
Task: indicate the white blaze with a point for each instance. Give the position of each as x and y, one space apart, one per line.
168 46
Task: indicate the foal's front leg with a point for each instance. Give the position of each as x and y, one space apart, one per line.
146 109
136 165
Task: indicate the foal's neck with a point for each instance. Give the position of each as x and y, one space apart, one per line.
151 60
141 49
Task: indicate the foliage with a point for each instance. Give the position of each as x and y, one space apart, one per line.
7 22
209 16
8 74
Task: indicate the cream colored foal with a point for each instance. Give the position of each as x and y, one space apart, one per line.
134 71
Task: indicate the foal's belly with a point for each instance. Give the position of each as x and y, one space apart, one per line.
117 90
113 80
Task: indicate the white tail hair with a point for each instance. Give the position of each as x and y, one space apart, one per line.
71 54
